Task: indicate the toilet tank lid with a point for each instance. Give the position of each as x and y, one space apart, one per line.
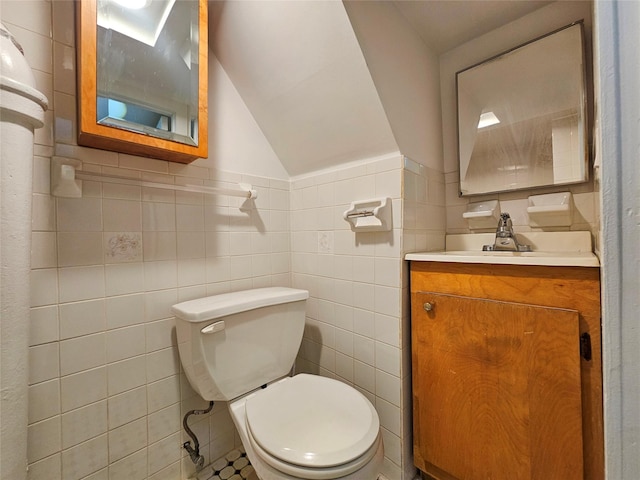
216 306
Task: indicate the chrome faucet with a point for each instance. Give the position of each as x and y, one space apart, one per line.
505 238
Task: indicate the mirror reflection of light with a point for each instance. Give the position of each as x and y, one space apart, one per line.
143 23
512 168
487 119
133 4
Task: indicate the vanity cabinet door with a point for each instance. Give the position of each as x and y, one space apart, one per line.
497 390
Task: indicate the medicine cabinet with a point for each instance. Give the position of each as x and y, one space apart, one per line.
142 77
522 117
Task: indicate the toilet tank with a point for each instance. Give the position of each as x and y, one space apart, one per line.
233 343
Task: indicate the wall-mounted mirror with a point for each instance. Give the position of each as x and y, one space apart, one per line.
522 117
142 77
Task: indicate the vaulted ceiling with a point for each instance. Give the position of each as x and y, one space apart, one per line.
301 71
445 24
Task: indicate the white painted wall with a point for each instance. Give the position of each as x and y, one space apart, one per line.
617 26
299 69
406 74
236 143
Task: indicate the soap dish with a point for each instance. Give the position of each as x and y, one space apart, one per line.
550 210
482 215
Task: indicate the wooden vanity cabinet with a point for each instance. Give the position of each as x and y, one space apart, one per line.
505 386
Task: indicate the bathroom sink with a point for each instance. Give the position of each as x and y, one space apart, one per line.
549 248
565 259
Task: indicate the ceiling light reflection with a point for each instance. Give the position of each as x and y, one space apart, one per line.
133 4
487 119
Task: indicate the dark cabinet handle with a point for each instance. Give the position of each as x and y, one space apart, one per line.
585 346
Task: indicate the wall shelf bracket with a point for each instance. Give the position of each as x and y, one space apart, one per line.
66 181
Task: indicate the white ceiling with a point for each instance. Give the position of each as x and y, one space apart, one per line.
445 24
300 70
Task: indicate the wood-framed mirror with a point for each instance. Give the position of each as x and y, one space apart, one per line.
142 77
522 116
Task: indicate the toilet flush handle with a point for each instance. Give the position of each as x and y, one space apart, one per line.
213 328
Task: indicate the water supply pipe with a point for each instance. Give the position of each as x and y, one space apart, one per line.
194 452
22 110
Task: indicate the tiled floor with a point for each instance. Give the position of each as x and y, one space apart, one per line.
233 466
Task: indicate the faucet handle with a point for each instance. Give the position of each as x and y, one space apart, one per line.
505 221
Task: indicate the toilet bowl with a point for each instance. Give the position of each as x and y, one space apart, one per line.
292 428
310 427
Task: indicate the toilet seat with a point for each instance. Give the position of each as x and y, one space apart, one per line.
337 472
312 427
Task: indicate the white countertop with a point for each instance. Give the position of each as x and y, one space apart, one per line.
558 259
561 249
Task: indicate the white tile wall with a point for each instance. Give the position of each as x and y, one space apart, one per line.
44 325
163 393
43 252
424 226
585 212
169 473
83 388
44 439
44 400
85 458
125 310
106 383
126 375
355 313
127 342
41 366
163 453
84 423
106 389
44 287
133 467
125 440
82 353
163 423
127 407
49 468
81 318
81 283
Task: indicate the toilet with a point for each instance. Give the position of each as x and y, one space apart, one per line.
240 348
